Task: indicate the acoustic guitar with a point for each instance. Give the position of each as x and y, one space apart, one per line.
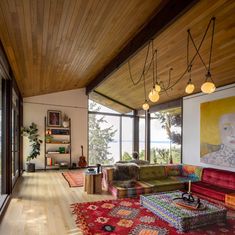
82 160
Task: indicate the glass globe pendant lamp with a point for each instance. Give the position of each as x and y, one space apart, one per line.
190 87
145 106
153 96
157 87
208 86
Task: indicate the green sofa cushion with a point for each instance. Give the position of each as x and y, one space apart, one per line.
152 172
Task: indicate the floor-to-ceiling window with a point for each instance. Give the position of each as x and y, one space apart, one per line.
142 137
110 135
15 136
127 138
1 156
166 136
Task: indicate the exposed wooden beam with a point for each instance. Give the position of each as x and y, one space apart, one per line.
109 98
168 13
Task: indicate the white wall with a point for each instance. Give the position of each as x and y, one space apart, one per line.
191 124
74 103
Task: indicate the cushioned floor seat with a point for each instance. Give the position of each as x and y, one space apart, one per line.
165 184
210 190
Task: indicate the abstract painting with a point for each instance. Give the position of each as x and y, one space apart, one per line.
217 136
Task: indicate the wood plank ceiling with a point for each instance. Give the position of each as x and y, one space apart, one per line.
55 45
171 45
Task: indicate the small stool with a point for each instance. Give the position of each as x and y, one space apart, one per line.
93 183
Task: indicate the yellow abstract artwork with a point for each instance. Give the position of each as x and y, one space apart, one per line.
217 135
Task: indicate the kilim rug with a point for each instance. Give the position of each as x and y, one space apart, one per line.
127 217
74 179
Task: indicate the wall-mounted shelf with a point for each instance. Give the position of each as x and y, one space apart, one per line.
62 136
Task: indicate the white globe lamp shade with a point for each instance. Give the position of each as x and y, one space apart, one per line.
145 106
208 87
153 96
189 88
157 88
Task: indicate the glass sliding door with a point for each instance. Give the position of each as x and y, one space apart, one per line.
15 136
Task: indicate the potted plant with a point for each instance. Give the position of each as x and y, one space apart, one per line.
65 121
32 133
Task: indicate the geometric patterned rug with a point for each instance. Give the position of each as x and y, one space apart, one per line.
74 179
126 216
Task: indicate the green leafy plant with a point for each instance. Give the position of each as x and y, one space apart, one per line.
32 133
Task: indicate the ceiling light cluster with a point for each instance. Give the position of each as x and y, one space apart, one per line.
159 87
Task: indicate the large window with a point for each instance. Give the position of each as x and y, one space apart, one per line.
110 135
127 138
142 138
166 136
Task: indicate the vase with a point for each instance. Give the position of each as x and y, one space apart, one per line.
65 124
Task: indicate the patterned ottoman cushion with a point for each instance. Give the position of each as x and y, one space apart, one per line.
162 205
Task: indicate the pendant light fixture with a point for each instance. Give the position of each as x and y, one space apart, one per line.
145 106
153 95
165 86
208 86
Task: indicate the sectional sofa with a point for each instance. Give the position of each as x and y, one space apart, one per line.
131 181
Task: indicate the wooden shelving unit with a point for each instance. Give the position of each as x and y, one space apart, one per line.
51 149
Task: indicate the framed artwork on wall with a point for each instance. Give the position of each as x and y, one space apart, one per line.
54 118
217 135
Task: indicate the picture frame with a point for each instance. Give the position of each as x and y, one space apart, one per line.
54 118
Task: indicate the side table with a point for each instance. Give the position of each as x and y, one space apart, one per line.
93 183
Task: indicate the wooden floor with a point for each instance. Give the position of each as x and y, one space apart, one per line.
41 205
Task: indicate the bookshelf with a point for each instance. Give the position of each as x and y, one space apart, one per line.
57 146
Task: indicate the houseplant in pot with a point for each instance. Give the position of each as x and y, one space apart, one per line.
32 133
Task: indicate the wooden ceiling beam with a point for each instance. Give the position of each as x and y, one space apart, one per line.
115 101
168 13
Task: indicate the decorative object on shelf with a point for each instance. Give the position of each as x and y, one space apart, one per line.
159 87
98 168
65 121
62 149
34 138
59 132
91 170
54 118
82 160
49 137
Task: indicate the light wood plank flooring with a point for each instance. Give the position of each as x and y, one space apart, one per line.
40 204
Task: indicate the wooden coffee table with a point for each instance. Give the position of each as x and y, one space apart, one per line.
93 183
162 204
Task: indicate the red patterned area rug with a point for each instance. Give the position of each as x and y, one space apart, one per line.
127 217
74 179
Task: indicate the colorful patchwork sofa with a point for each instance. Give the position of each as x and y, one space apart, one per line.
217 184
148 179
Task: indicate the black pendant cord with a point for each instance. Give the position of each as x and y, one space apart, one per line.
153 56
192 60
143 71
212 40
145 96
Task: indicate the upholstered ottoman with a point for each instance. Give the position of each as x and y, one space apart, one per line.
163 206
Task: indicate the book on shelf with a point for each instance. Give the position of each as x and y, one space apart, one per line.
52 152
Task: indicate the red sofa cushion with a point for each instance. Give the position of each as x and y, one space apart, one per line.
221 178
210 190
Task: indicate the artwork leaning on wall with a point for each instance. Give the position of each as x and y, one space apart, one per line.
217 135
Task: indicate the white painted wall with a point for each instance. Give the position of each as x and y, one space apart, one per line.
191 124
74 103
